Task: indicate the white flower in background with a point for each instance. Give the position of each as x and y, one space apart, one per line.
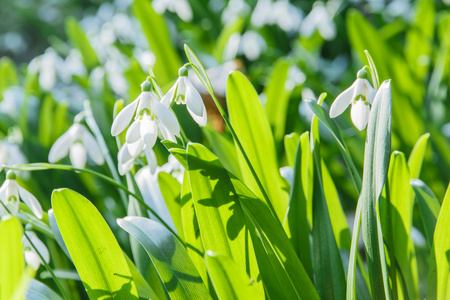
183 92
31 257
147 181
151 115
282 13
180 7
128 153
360 95
79 143
288 174
318 19
10 154
10 194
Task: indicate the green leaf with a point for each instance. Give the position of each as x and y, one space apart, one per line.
328 268
278 93
429 207
376 162
219 214
171 192
290 147
46 118
8 74
11 256
94 250
155 29
442 249
199 69
229 280
79 40
39 291
229 29
299 211
417 156
396 212
253 130
174 266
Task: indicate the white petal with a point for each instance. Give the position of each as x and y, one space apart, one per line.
360 114
40 246
32 259
342 101
124 118
151 159
136 148
195 105
133 132
370 91
149 131
126 167
61 147
166 117
92 148
78 155
30 201
167 135
145 103
168 97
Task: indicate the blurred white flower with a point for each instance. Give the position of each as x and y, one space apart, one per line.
360 95
233 10
10 194
31 257
180 7
183 92
318 19
288 174
252 44
151 115
10 154
79 143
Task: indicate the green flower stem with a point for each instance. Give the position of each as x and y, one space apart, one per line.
47 166
104 148
46 265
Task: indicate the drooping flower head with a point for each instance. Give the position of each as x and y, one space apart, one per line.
184 92
360 95
10 194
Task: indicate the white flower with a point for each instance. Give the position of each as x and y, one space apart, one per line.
360 95
184 92
31 257
129 152
79 143
318 19
11 192
150 115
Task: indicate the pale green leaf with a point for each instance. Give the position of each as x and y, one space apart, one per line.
79 40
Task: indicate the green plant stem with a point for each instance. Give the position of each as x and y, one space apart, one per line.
46 265
47 166
104 148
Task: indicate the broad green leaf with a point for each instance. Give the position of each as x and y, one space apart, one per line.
296 223
169 256
224 149
324 117
8 74
442 249
94 250
429 207
39 291
79 40
229 280
290 147
417 156
219 214
155 29
396 212
253 131
328 268
282 272
11 256
278 92
171 192
419 39
192 238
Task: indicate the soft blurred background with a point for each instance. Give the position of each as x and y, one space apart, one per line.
57 53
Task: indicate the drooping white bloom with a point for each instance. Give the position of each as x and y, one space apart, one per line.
129 152
79 143
10 194
360 95
184 92
151 115
318 19
180 7
31 257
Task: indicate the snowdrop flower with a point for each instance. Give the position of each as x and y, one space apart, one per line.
31 257
79 143
10 154
180 7
128 153
11 192
151 115
360 94
318 19
184 92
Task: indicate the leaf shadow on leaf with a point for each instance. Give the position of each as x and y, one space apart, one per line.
123 293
